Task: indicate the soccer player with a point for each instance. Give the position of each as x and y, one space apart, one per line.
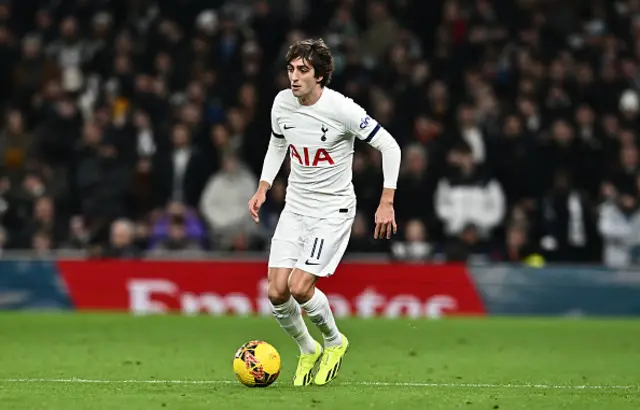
318 126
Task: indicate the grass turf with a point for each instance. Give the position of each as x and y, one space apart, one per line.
446 364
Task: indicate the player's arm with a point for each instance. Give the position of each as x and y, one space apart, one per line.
275 153
384 142
368 130
273 160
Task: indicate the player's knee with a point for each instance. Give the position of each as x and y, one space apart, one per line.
277 294
301 289
278 285
277 297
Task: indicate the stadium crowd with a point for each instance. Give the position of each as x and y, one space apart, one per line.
136 126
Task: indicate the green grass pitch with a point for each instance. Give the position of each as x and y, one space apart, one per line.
121 362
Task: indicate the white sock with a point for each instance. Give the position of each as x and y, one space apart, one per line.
321 315
289 316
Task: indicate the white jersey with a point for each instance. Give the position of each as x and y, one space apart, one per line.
321 144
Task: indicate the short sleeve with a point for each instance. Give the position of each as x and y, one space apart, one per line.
275 127
357 121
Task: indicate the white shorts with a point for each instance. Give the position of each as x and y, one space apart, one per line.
314 245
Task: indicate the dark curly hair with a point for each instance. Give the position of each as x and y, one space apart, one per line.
317 53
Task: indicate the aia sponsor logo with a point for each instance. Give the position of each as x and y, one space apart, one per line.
310 157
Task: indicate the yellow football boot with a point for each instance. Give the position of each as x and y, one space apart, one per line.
331 362
306 363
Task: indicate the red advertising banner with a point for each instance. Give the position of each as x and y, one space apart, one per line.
215 287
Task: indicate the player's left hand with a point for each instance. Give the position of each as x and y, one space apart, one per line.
255 203
385 221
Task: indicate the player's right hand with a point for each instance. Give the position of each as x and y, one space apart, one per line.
255 203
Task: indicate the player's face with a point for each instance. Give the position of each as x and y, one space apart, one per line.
302 77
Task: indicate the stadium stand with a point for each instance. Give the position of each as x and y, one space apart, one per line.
136 127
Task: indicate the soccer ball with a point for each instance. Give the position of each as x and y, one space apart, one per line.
256 364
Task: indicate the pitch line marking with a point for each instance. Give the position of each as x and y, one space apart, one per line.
373 384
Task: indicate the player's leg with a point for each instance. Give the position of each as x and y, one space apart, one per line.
316 304
287 311
323 251
303 289
286 246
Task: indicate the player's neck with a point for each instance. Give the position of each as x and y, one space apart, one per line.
312 97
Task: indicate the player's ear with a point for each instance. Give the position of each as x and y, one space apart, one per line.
319 79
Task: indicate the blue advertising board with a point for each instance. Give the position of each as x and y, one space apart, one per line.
565 290
32 284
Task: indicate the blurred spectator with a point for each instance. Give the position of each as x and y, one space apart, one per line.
415 246
44 222
630 109
416 186
513 161
41 244
34 70
517 247
223 205
469 196
19 199
624 175
382 29
79 235
16 146
564 151
619 225
177 238
567 225
179 173
471 133
194 229
122 241
102 176
468 246
141 235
